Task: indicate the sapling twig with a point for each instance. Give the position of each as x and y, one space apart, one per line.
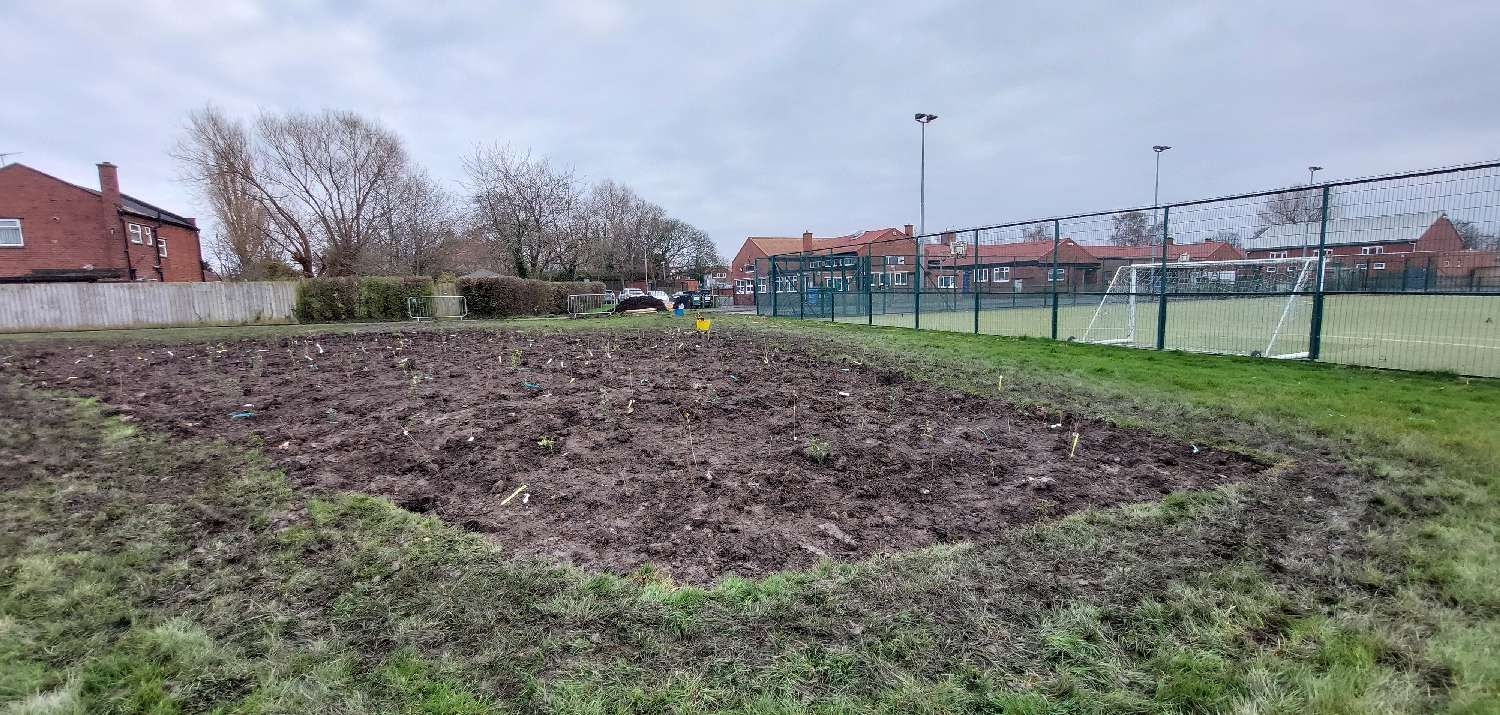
1074 450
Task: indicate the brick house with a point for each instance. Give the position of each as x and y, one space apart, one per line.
746 282
1013 267
53 230
1412 251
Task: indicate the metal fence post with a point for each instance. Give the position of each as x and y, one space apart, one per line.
974 278
869 284
775 287
1161 279
1052 278
916 297
1315 337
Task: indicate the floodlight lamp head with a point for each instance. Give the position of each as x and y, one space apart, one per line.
1159 148
924 117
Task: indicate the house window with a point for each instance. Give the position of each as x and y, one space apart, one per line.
147 234
1057 274
1270 269
1359 266
898 278
984 276
161 247
1371 250
762 283
135 232
1185 257
1377 266
945 281
1002 274
10 233
900 260
1276 254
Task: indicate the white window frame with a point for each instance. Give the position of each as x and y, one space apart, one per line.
13 223
1057 274
161 247
900 260
1276 254
149 234
762 285
1359 266
134 229
983 277
1378 266
946 282
898 278
1371 250
1001 274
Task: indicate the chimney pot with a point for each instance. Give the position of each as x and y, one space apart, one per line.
807 243
909 228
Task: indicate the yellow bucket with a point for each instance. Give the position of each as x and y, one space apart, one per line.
703 324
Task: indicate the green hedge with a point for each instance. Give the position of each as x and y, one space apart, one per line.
507 296
326 300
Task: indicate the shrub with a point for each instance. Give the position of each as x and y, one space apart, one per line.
382 298
323 300
507 296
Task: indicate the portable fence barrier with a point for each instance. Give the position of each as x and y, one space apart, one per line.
1398 271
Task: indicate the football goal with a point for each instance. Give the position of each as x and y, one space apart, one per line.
1249 306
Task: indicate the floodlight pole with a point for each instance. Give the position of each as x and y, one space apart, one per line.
1161 306
923 118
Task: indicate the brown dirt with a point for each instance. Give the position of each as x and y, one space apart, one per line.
694 454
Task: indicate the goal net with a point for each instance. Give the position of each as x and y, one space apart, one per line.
1250 306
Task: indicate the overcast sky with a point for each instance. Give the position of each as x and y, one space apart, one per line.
768 118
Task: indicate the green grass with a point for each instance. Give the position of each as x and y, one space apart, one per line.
140 573
1410 332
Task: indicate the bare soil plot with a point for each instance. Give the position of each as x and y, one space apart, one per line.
701 456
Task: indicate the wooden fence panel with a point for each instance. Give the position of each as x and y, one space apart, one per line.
26 307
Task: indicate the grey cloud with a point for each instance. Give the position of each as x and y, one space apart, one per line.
764 118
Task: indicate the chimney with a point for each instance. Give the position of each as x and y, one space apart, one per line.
909 229
947 238
109 211
109 184
807 242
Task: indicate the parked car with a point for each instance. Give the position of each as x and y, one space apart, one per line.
631 293
662 296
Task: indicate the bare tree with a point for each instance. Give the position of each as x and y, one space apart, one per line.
1475 238
217 156
418 232
1134 228
1295 205
524 207
330 173
315 182
1037 232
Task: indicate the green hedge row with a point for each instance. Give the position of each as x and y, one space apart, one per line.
327 300
507 296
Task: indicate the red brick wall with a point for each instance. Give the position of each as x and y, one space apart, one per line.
67 227
60 225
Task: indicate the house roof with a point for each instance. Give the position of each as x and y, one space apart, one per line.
1019 249
774 245
1174 250
1346 231
129 204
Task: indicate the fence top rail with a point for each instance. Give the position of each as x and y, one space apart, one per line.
1416 174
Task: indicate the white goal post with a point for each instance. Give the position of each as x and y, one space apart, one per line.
434 307
1117 319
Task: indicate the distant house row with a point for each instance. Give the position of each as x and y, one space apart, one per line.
1389 245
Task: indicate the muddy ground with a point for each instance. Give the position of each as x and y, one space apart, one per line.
734 453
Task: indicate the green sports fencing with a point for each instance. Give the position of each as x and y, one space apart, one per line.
1398 271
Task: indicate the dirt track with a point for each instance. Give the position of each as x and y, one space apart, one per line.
637 447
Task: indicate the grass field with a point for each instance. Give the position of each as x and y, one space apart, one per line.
144 572
1409 332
